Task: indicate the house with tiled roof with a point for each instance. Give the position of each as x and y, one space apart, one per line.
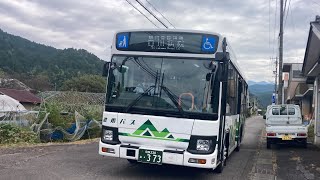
25 97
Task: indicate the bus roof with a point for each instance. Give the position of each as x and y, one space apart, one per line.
171 30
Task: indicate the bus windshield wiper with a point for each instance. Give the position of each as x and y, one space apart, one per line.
174 99
134 102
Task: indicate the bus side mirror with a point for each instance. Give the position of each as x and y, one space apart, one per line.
123 69
105 70
264 116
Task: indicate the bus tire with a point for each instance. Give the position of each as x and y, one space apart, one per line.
238 146
226 145
223 163
219 168
239 140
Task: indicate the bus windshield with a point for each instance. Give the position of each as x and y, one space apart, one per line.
163 84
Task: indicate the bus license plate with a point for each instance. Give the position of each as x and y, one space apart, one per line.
150 156
286 138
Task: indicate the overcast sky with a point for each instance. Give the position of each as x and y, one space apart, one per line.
249 25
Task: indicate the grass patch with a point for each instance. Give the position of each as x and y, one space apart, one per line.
12 134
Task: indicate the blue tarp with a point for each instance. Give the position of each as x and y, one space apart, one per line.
57 135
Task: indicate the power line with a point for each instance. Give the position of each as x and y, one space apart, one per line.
285 6
288 9
274 28
142 13
151 13
161 14
269 26
315 2
292 22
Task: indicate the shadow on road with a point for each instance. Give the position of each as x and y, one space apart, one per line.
146 171
293 146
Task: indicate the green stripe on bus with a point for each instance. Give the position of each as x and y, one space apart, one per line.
157 138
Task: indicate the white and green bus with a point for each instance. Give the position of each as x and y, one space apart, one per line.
173 97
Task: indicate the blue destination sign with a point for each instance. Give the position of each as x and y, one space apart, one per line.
172 42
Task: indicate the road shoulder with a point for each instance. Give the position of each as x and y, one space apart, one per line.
265 166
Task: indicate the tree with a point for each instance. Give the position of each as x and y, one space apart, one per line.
2 74
85 83
39 82
26 60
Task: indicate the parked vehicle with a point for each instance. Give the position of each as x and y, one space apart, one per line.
284 124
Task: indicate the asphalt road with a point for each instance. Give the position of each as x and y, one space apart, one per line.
294 162
81 161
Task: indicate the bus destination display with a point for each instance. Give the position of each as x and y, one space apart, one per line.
167 42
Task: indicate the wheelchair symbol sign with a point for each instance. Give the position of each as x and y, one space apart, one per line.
208 44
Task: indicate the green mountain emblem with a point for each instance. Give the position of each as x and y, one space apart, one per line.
148 129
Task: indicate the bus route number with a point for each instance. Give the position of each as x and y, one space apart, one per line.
150 156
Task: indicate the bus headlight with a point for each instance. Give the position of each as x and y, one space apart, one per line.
107 135
203 145
110 135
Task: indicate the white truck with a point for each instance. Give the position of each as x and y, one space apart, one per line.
284 124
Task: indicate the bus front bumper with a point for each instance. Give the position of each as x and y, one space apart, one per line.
182 158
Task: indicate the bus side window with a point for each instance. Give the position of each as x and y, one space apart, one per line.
232 93
240 99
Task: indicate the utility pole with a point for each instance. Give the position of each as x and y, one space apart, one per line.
275 74
280 95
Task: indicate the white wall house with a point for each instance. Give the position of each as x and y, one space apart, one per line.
311 69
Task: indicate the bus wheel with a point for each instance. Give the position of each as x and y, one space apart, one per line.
238 146
239 141
220 167
226 148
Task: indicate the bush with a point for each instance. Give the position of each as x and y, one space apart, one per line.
55 116
92 133
85 83
11 134
93 112
311 131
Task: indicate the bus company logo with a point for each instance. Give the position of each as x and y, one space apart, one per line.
147 130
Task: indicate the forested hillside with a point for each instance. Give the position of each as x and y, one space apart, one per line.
43 67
